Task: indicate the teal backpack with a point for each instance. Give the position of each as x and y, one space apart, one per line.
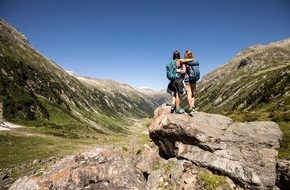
171 70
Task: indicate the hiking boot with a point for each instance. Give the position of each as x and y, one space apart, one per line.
172 109
179 111
191 111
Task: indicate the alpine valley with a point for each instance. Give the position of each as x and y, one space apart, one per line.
47 113
34 90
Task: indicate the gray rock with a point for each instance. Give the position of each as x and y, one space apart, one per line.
97 169
148 160
246 152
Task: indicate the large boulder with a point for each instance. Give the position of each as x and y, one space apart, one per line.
245 152
100 168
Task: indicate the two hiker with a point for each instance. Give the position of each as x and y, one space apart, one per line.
183 80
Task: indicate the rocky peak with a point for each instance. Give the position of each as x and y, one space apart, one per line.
245 152
260 48
11 33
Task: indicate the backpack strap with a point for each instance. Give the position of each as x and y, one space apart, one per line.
193 63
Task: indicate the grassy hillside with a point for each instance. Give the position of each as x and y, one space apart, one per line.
35 91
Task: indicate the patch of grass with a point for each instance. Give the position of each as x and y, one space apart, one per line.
18 149
243 116
25 147
249 116
156 166
58 115
114 123
169 165
278 116
212 181
284 151
67 131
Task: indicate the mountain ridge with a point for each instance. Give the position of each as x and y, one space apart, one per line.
248 52
111 86
251 72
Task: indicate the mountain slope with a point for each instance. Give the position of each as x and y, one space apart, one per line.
34 89
257 78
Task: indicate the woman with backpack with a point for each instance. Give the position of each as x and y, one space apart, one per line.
176 86
190 81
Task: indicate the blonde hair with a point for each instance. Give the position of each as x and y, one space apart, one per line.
188 54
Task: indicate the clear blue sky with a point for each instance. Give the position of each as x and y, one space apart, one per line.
131 41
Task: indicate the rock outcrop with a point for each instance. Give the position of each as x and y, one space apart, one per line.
101 168
245 152
192 151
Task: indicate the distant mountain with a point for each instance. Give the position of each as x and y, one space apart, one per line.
256 79
161 97
35 90
115 88
111 86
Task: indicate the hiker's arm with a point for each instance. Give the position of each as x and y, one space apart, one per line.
179 62
182 61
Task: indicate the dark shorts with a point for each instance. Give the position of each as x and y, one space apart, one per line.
176 85
188 81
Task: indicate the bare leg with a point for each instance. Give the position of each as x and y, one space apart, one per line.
193 88
177 100
173 100
189 96
173 106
